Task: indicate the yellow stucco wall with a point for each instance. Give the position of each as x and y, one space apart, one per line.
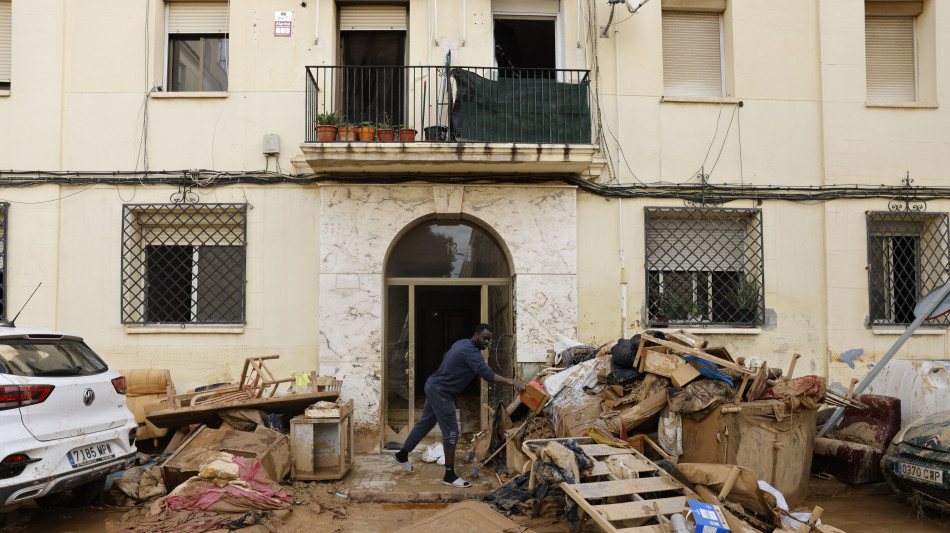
82 71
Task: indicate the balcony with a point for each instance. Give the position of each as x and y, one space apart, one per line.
446 119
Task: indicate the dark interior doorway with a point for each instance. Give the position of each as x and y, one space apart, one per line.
373 77
525 48
443 316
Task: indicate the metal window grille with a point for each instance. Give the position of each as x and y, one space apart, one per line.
4 206
704 266
907 258
184 264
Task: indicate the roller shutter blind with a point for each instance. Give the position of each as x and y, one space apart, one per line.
526 7
891 59
692 54
197 17
6 41
682 244
372 18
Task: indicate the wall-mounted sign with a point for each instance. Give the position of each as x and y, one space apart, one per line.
282 23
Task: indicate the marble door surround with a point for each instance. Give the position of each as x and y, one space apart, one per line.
359 225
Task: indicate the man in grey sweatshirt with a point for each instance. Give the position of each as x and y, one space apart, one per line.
459 366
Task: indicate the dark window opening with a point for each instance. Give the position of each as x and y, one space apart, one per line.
525 48
193 284
198 63
374 84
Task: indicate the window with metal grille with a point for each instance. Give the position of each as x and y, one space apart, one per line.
907 258
4 206
184 264
704 266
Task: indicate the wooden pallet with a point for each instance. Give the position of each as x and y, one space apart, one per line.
614 503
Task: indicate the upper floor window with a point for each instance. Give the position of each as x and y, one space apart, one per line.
693 49
907 258
891 50
197 46
6 43
184 264
704 266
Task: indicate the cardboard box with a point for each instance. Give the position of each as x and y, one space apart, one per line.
684 374
270 448
534 396
708 517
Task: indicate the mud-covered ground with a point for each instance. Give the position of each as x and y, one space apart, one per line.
318 507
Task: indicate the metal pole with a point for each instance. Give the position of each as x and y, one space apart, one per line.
869 377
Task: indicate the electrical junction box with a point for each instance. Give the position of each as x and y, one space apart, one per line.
271 143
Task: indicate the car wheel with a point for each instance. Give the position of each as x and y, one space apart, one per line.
80 496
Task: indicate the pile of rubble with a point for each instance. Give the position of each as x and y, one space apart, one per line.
647 428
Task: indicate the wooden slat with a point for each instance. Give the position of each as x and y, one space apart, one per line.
619 487
639 509
698 353
602 449
601 469
644 529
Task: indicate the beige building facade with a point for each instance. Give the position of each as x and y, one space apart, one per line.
765 173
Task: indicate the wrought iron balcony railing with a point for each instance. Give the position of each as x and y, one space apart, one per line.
448 104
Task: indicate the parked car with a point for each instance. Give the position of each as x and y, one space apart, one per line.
65 423
917 463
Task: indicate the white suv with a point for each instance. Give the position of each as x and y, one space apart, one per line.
64 424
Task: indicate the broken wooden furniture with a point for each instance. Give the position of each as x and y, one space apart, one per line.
765 436
322 448
256 381
638 500
270 448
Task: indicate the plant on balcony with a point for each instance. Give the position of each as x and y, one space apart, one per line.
348 132
385 131
405 134
327 126
366 131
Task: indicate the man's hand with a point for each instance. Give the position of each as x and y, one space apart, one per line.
518 385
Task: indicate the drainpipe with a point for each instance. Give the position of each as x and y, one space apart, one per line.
623 269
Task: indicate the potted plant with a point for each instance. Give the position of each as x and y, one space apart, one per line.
405 134
348 132
662 309
366 131
327 126
744 297
695 311
385 131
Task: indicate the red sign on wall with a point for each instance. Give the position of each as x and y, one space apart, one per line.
282 23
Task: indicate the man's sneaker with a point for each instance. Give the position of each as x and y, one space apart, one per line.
405 464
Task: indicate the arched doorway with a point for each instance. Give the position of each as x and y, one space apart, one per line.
443 277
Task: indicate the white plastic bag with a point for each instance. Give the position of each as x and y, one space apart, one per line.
434 454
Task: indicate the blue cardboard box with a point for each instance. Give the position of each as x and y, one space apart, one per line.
709 518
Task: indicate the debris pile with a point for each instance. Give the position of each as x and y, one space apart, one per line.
648 426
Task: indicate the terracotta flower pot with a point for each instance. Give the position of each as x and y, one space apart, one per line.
385 135
348 133
407 135
327 133
366 134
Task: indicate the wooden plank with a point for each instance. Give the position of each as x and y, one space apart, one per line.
603 449
293 404
639 509
619 487
657 360
697 353
655 528
601 469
